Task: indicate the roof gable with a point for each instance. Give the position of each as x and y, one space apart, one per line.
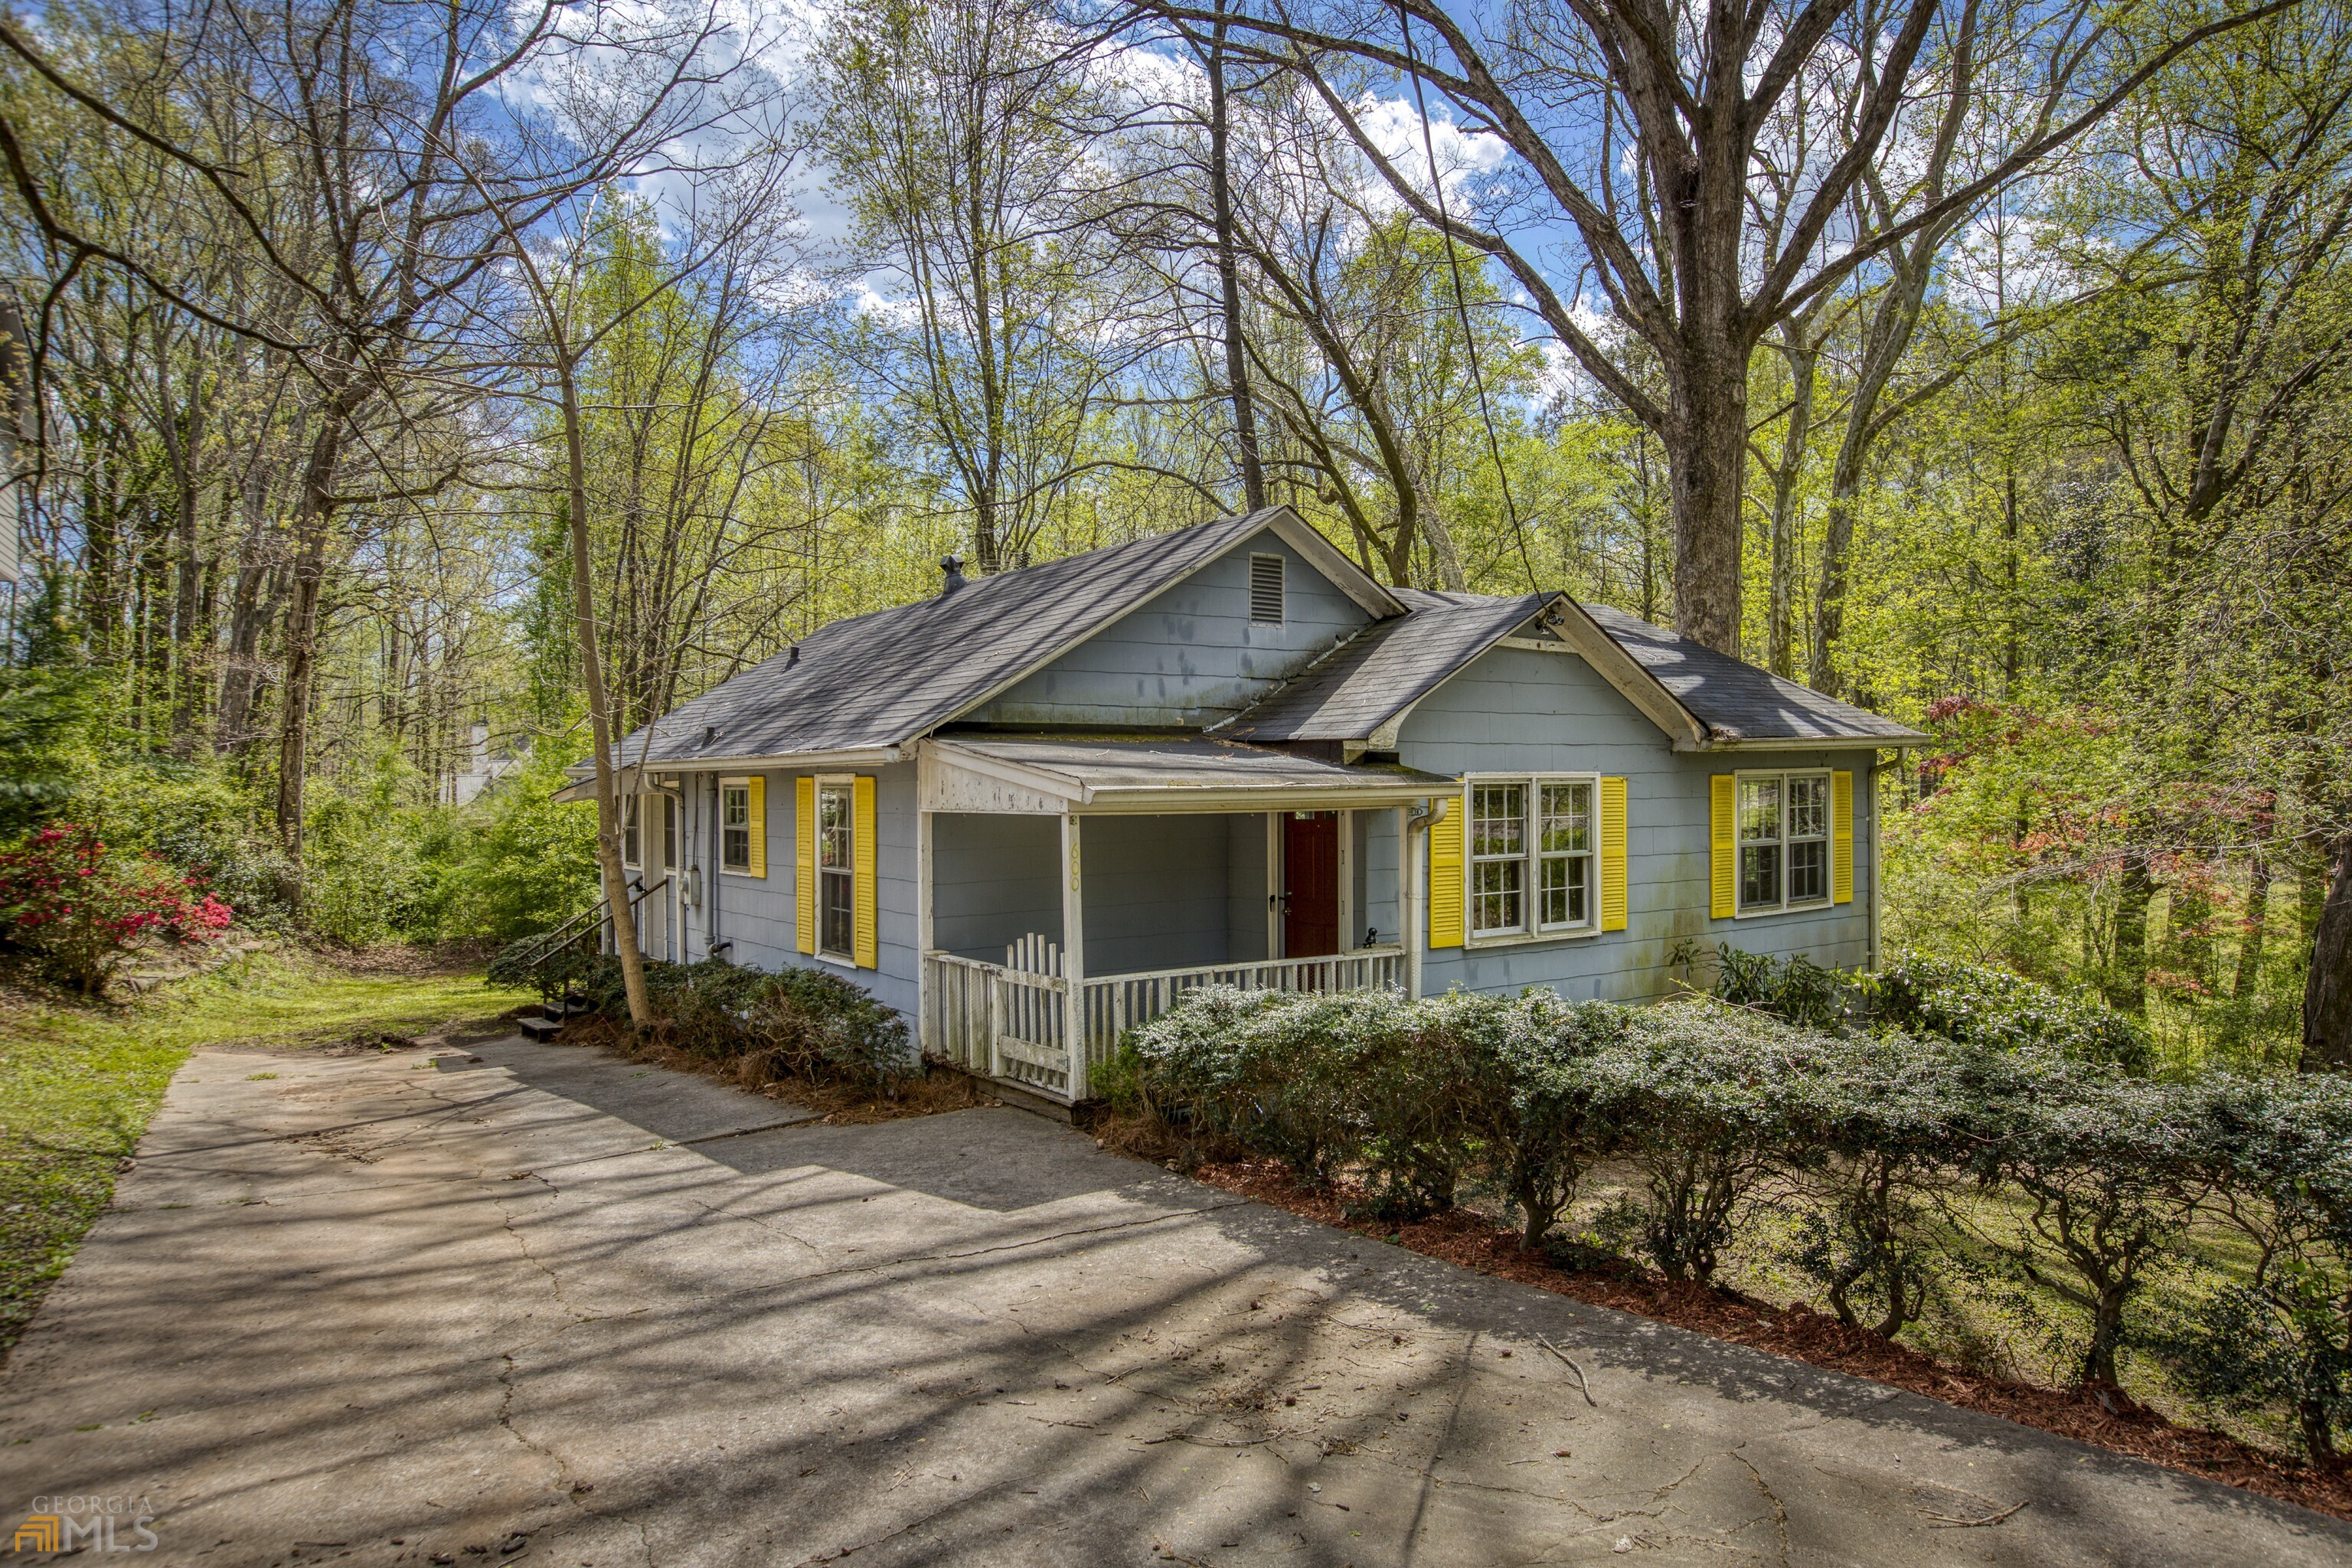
1384 669
885 679
1701 700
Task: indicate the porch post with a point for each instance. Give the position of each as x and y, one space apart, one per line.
1347 917
1409 896
924 1027
1274 887
1074 958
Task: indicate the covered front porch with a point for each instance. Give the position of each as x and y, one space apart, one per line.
1072 890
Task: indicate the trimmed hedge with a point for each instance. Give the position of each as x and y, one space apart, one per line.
1869 1139
798 1022
1967 1004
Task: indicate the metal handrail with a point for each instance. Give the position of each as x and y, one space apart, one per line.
564 938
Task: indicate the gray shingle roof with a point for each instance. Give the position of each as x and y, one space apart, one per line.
884 678
1734 699
1383 669
1393 664
1112 766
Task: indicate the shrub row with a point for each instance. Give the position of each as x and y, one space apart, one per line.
801 1023
1971 1004
1887 1150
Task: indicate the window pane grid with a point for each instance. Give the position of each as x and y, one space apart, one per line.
836 935
735 827
1532 844
1784 841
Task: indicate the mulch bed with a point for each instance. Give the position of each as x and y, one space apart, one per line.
2102 1417
939 1088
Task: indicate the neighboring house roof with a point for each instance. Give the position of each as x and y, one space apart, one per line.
885 679
1159 772
1385 669
1738 702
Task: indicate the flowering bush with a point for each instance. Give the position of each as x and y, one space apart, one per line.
82 909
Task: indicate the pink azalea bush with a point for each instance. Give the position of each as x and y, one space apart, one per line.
81 908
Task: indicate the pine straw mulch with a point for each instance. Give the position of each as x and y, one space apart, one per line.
939 1088
2103 1418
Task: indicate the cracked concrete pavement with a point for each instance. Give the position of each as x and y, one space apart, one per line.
568 1308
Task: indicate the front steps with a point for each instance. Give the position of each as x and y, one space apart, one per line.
552 1015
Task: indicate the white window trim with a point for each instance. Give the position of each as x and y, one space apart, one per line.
1828 837
1530 888
632 804
726 783
848 783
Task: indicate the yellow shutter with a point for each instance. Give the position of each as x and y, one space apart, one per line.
805 863
758 866
1612 854
1723 836
862 857
1445 906
1841 837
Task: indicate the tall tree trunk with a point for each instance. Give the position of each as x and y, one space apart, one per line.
1801 353
1710 427
1229 281
2327 990
313 512
600 727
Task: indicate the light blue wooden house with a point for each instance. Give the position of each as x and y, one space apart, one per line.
1033 810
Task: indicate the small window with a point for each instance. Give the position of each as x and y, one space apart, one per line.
735 827
836 874
670 831
1265 590
629 834
1784 840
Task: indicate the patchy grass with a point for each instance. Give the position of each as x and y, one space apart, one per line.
78 1083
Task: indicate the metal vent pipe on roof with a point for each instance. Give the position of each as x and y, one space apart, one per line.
951 564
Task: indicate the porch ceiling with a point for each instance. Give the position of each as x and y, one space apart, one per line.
1140 777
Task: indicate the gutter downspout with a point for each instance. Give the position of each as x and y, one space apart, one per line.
1417 821
710 884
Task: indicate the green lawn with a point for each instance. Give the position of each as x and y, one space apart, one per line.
77 1084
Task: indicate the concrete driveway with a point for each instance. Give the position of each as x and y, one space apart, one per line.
557 1308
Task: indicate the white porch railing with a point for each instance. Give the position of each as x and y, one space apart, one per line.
1013 1020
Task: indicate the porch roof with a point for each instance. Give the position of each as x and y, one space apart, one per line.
1173 775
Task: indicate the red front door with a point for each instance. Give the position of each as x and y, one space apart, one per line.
1310 884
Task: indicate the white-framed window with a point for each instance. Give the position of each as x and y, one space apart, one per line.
735 826
1533 860
631 837
836 870
670 831
1784 841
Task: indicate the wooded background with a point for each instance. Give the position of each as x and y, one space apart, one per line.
1984 363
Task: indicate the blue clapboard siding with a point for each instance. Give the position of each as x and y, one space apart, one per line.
1515 709
759 915
1246 890
1189 655
1155 889
993 881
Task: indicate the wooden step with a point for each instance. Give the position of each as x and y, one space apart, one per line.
541 1029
